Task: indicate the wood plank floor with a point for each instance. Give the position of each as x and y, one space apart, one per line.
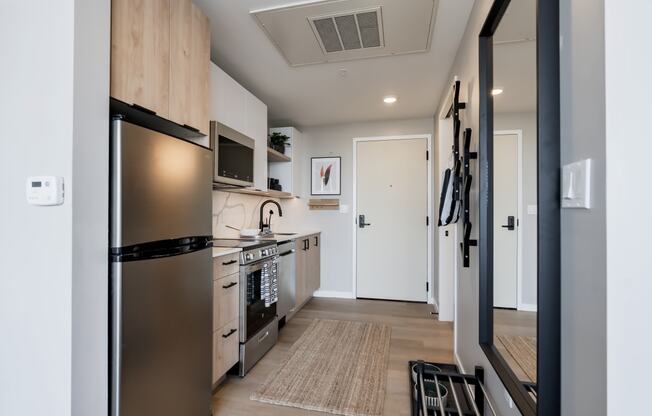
415 335
514 323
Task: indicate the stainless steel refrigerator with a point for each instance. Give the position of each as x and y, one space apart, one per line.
161 274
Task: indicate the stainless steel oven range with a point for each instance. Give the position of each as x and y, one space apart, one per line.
258 299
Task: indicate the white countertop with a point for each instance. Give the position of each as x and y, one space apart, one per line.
223 251
299 234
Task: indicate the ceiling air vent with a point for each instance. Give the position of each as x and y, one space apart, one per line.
349 31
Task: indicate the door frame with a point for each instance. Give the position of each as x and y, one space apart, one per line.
429 208
519 214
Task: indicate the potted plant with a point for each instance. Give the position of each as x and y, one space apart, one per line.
278 141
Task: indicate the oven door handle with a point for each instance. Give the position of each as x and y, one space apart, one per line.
254 267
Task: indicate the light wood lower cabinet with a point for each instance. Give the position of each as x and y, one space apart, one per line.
226 312
308 264
226 292
225 349
226 265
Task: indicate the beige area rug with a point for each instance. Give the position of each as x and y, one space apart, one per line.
524 352
337 367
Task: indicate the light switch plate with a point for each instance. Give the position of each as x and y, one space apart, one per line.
576 185
532 210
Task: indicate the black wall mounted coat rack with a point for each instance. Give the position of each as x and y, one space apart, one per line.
461 174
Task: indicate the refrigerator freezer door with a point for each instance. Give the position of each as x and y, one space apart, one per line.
162 336
161 186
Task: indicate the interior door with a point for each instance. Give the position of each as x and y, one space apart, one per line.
505 220
392 205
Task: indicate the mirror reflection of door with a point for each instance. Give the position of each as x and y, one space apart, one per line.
506 219
515 189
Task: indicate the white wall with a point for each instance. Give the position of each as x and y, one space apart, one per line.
527 122
90 198
53 260
468 351
446 241
629 225
584 264
583 291
336 227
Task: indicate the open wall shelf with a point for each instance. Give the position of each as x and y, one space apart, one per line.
251 191
274 156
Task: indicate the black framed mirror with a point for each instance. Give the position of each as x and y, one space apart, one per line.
519 224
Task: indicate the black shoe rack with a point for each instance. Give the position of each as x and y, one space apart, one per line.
432 384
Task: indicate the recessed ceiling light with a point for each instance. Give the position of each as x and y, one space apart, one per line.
496 91
390 99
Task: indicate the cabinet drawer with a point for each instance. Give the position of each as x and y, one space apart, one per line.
226 265
225 349
226 294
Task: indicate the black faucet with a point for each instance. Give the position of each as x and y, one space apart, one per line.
262 224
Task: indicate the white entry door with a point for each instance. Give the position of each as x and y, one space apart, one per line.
506 201
392 239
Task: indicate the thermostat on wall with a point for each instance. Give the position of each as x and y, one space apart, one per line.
45 190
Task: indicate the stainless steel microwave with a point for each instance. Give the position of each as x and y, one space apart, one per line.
234 156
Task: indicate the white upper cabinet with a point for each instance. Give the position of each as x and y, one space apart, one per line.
256 128
228 100
235 107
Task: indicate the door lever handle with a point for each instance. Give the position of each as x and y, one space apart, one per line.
510 223
361 221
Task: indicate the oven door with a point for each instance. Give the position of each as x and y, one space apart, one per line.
254 315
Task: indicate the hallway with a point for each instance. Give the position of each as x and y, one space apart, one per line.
415 335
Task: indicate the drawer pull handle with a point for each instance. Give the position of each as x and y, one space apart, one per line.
231 332
230 285
261 339
229 262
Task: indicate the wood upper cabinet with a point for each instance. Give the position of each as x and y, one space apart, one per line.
160 54
189 65
140 53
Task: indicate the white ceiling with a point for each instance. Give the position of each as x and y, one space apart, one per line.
334 92
401 29
515 69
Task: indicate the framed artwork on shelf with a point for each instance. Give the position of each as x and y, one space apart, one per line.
326 176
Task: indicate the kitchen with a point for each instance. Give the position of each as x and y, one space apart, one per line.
232 183
231 230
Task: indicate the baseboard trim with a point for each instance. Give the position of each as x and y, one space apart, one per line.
332 294
527 307
433 302
458 361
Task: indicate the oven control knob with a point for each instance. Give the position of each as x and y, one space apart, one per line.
263 252
249 256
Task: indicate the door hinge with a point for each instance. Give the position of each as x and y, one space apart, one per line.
427 286
427 221
427 155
